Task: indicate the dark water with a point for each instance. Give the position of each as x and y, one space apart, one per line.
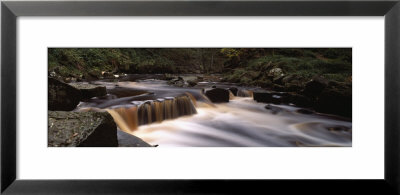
173 116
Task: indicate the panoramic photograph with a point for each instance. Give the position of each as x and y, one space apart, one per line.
199 97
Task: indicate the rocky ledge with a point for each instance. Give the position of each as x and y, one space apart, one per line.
89 90
91 129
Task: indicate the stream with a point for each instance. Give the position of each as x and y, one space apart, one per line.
165 115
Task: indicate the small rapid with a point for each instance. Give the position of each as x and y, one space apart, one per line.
165 115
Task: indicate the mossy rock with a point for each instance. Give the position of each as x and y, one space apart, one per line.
90 129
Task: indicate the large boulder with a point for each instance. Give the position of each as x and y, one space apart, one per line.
217 95
335 101
314 87
299 100
90 129
129 140
89 90
62 96
269 97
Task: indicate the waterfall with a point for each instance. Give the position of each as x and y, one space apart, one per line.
129 118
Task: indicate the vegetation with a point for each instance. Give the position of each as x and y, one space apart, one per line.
247 66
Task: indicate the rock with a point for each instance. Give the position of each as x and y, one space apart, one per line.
62 96
268 97
304 111
314 87
278 80
88 77
293 78
273 109
334 101
88 129
234 90
89 90
52 74
107 75
178 82
278 87
299 100
129 140
217 95
275 73
192 83
293 87
125 91
95 73
168 77
264 83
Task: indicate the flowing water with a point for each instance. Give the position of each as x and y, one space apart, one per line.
165 115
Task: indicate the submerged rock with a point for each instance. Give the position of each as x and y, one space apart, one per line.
129 140
273 109
88 129
89 90
62 96
217 95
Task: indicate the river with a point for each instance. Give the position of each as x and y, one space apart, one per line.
166 115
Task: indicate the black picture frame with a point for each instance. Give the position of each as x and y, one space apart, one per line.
10 10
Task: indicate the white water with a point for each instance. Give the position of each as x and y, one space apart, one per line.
241 122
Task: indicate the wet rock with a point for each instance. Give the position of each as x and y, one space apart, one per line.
125 91
192 83
335 101
304 111
87 129
129 140
268 97
200 78
89 90
299 100
314 87
338 128
178 82
217 95
273 109
234 90
62 96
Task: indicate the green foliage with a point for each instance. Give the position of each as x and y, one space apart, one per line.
248 66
